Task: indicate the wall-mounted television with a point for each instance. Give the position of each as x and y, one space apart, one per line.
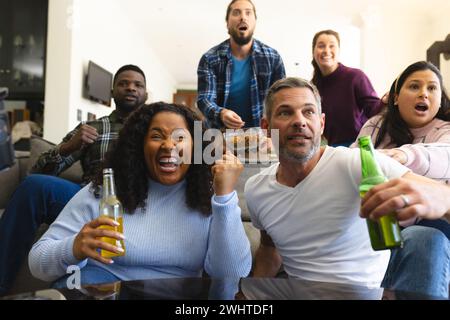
98 84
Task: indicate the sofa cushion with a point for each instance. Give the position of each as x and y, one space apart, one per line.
9 180
39 145
23 162
253 235
74 173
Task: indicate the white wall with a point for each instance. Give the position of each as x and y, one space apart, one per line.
297 51
374 37
391 42
58 71
440 29
392 39
95 30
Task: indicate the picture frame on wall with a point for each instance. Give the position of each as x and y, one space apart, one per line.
91 116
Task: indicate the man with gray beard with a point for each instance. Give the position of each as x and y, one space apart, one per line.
234 76
307 206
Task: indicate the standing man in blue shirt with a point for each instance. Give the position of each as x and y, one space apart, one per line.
234 76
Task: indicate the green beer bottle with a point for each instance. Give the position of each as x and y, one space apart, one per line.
384 233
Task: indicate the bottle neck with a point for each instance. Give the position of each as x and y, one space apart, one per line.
371 173
108 186
369 165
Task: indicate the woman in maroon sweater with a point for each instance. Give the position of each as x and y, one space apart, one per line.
348 97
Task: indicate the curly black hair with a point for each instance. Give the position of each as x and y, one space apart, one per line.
130 169
392 122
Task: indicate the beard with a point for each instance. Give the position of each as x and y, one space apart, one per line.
127 106
240 40
300 158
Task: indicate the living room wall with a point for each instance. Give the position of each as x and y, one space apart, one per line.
79 31
388 42
393 41
380 37
375 37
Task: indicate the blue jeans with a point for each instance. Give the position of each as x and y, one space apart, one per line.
90 274
422 266
38 199
439 224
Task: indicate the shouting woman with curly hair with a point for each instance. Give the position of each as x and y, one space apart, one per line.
180 218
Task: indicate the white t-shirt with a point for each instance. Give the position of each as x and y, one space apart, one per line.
315 226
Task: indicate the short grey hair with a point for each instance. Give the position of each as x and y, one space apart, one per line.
289 82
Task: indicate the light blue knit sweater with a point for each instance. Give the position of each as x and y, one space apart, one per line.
165 239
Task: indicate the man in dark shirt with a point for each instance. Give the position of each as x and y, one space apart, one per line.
41 196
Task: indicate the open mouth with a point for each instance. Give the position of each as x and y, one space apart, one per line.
298 138
243 28
422 107
169 164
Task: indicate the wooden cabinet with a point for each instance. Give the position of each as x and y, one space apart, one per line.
18 115
186 97
23 37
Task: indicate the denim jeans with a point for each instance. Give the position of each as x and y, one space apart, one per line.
38 199
89 274
439 224
422 266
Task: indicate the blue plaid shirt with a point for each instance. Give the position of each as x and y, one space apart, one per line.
214 79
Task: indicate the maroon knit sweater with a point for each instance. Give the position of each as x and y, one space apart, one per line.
348 101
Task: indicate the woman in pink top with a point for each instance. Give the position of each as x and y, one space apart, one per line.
415 127
415 130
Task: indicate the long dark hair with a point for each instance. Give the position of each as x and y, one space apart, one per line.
393 124
130 169
316 73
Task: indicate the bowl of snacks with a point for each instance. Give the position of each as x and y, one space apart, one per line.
250 143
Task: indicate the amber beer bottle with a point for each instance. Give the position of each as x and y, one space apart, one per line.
384 233
111 207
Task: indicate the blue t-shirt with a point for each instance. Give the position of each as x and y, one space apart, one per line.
239 99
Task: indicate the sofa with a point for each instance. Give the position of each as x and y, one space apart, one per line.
11 178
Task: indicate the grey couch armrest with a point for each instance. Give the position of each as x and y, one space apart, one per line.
9 180
39 145
253 235
74 173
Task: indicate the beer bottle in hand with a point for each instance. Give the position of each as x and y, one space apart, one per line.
111 207
384 233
